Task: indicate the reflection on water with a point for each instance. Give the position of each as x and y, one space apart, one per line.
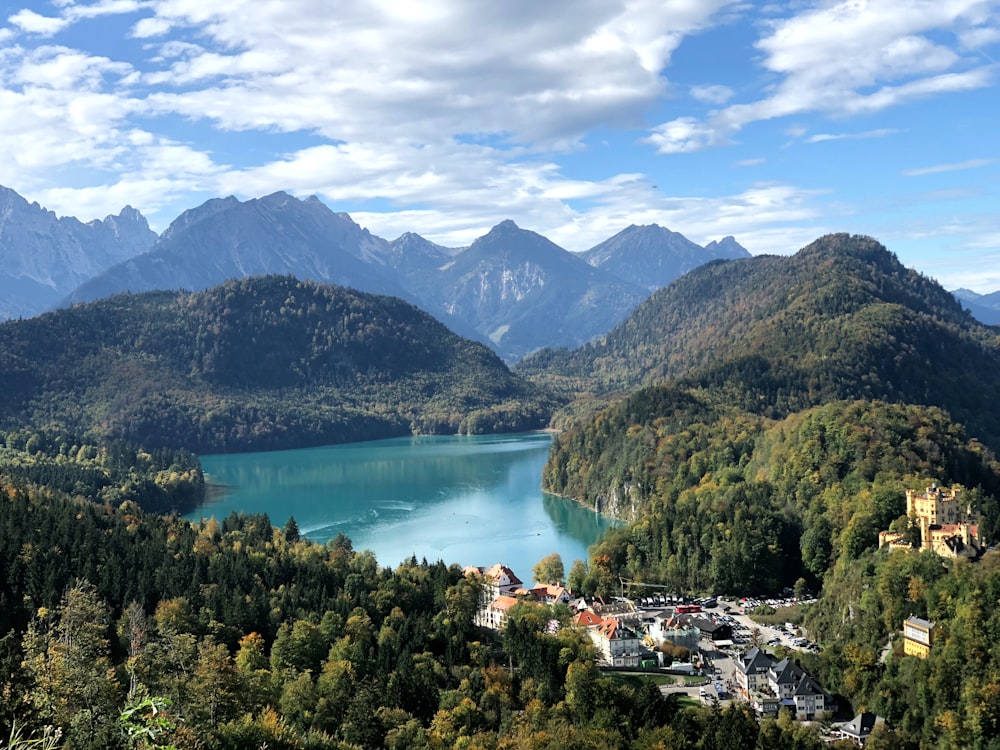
471 500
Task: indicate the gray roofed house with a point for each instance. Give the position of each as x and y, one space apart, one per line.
710 628
752 668
784 677
810 699
860 727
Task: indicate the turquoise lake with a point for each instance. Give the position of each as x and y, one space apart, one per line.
472 500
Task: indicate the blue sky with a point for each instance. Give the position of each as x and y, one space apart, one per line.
772 122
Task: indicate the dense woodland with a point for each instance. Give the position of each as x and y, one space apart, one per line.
842 319
255 364
125 629
756 424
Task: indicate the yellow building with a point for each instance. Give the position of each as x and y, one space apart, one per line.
935 506
946 527
917 637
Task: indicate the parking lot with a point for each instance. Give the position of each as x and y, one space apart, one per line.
733 612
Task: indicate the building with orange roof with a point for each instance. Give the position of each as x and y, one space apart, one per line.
551 594
494 615
587 619
618 644
500 589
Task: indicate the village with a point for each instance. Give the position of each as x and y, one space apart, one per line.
713 647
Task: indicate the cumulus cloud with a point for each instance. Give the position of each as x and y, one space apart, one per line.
35 23
852 57
551 75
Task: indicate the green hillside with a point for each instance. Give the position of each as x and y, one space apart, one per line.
725 501
261 363
842 319
775 412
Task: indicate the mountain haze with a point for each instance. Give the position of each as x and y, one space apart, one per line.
652 256
984 307
43 257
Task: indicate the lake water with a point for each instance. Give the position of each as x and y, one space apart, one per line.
472 500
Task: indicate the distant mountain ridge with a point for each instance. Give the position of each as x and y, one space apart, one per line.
984 307
226 238
651 256
512 289
522 288
43 257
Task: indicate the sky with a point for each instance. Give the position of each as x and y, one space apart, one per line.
772 122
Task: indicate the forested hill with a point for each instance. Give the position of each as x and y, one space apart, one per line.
841 319
260 363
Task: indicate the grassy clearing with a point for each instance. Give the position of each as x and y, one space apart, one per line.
635 679
793 614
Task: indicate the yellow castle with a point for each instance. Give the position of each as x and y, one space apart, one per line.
945 525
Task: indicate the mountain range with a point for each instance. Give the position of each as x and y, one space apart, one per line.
43 257
984 307
512 289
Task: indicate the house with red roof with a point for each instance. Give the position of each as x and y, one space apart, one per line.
494 615
551 594
617 644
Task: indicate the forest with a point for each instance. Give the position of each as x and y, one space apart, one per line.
776 465
255 364
841 320
125 629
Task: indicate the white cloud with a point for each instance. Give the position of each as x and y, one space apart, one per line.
685 134
373 69
979 37
851 57
712 94
35 23
955 167
880 133
150 27
70 12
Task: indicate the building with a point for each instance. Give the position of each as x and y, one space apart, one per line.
497 595
617 643
550 594
810 700
497 579
666 627
860 727
769 685
587 619
752 669
946 526
783 677
918 637
494 615
711 629
937 506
